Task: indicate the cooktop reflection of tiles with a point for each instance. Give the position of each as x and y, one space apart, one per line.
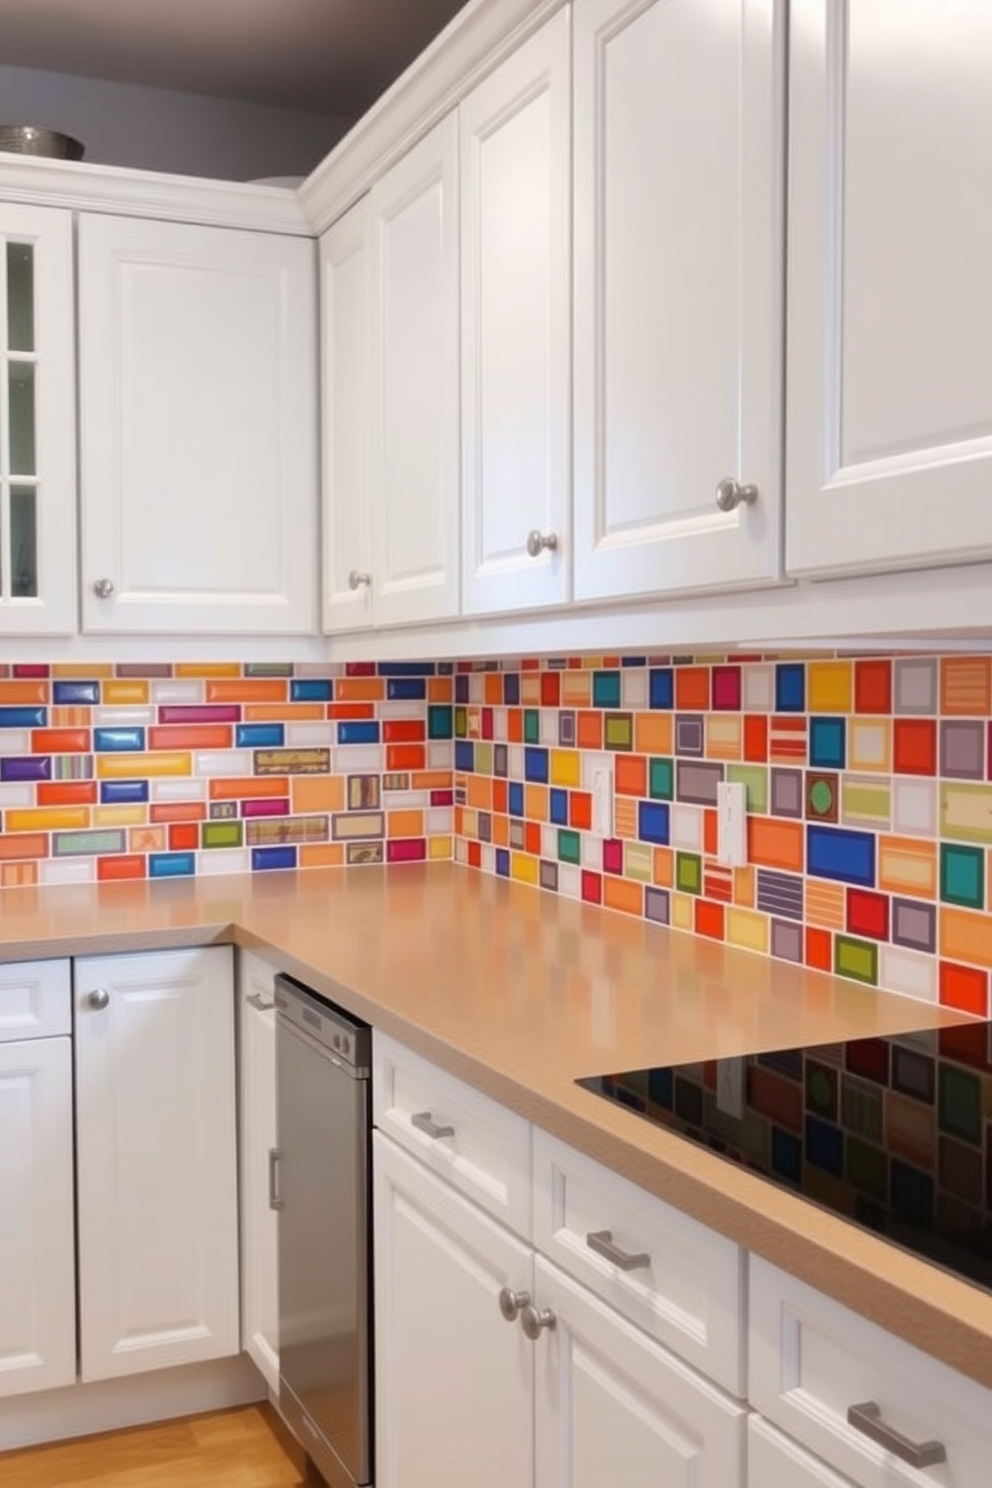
892 1133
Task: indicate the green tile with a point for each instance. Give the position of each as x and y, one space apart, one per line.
483 757
268 669
959 1103
87 843
618 730
856 958
867 1167
962 875
532 726
461 723
754 778
223 834
865 802
688 873
569 846
440 721
966 811
638 861
661 779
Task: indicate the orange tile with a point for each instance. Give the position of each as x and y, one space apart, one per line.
121 691
23 692
248 690
589 730
60 741
515 725
359 689
631 775
709 919
965 936
692 689
623 894
772 843
18 875
191 736
288 712
317 793
177 811
207 669
625 818
24 845
406 756
907 865
756 737
440 689
501 796
818 949
460 821
537 803
431 780
964 987
66 793
966 685
474 854
403 731
744 885
234 787
493 689
580 810
479 792
653 733
826 904
576 689
75 717
127 766
709 834
663 873
343 710
321 855
47 819
184 837
404 824
501 831
532 838
87 670
120 866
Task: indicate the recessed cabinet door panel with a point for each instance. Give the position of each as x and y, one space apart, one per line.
156 1160
889 407
198 428
679 134
37 1254
415 382
345 273
516 371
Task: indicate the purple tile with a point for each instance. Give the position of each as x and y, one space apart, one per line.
485 826
549 876
656 905
689 733
787 941
26 767
914 924
697 783
143 669
517 836
266 806
962 748
780 894
566 729
786 793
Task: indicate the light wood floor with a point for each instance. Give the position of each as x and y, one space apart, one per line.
242 1448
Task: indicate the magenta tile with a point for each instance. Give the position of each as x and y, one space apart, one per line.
487 723
25 670
359 669
726 687
612 856
273 806
204 713
406 850
442 798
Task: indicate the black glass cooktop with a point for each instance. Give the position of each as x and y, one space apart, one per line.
892 1133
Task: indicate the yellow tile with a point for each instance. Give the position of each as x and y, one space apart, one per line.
723 736
524 868
829 686
88 669
470 823
125 691
747 928
128 766
207 669
440 847
682 911
120 816
566 767
907 865
47 819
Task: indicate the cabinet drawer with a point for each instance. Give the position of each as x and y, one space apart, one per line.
35 1000
811 1359
773 1461
476 1144
675 1278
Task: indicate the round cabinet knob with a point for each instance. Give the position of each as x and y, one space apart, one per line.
730 494
103 588
511 1304
533 1321
538 541
358 580
98 999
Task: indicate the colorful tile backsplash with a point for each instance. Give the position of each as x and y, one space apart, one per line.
161 771
868 788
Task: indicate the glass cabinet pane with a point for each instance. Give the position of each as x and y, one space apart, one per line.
24 542
22 420
20 297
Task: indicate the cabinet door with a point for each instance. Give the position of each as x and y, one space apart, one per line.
37 423
679 134
773 1461
156 1160
613 1407
516 366
345 281
259 1254
414 470
454 1380
889 446
198 435
37 1254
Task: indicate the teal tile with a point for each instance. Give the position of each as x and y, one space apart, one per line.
440 721
569 846
962 875
606 689
532 726
661 779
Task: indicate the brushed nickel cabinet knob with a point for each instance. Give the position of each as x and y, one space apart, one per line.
533 1321
103 588
358 580
512 1304
537 542
98 999
730 494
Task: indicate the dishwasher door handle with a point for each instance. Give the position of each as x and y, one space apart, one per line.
424 1121
275 1202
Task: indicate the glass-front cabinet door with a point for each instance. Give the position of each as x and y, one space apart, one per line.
37 422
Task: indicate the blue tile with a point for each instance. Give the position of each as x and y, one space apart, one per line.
260 735
661 688
536 766
515 798
502 862
123 792
23 717
849 857
26 767
511 689
911 1192
406 689
606 689
661 1088
464 754
73 693
358 733
787 1155
407 669
311 690
828 743
263 858
559 807
824 1146
653 821
461 688
171 865
790 687
633 661
118 740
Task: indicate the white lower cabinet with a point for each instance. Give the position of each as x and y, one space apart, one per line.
156 1160
773 1461
257 1109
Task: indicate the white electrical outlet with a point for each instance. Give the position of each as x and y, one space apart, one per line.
602 801
731 824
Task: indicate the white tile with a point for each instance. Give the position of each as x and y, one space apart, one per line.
870 744
500 725
309 735
592 852
67 870
405 800
477 687
549 727
570 880
687 827
592 762
358 759
515 761
634 687
440 821
124 716
487 860
178 788
914 807
913 973
758 688
403 708
16 793
441 754
223 860
549 842
461 850
15 741
177 690
211 762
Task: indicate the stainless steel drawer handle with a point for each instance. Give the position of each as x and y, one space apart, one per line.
533 1321
256 1000
424 1121
601 1241
275 1202
867 1419
512 1304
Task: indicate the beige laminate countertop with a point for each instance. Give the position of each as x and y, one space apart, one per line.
520 993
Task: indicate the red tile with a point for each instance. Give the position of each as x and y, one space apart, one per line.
350 710
66 793
532 838
60 741
709 834
406 850
184 837
964 987
612 856
914 746
475 855
580 810
756 737
818 949
400 757
868 914
592 887
121 866
488 723
709 919
550 690
501 795
404 730
873 686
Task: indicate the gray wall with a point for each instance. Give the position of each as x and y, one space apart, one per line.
156 129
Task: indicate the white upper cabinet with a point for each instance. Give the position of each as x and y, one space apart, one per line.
198 433
414 403
37 423
889 400
516 320
679 136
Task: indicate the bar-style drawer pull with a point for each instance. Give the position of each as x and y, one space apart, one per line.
867 1419
275 1202
424 1121
601 1241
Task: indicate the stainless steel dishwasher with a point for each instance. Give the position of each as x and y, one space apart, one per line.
319 1183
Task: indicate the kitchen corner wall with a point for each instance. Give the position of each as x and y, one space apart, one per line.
166 770
870 815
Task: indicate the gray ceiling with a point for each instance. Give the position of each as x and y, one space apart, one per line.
331 56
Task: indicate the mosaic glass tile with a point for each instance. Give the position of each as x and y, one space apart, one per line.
962 875
790 687
915 685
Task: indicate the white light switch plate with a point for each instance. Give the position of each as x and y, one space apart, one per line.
731 824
